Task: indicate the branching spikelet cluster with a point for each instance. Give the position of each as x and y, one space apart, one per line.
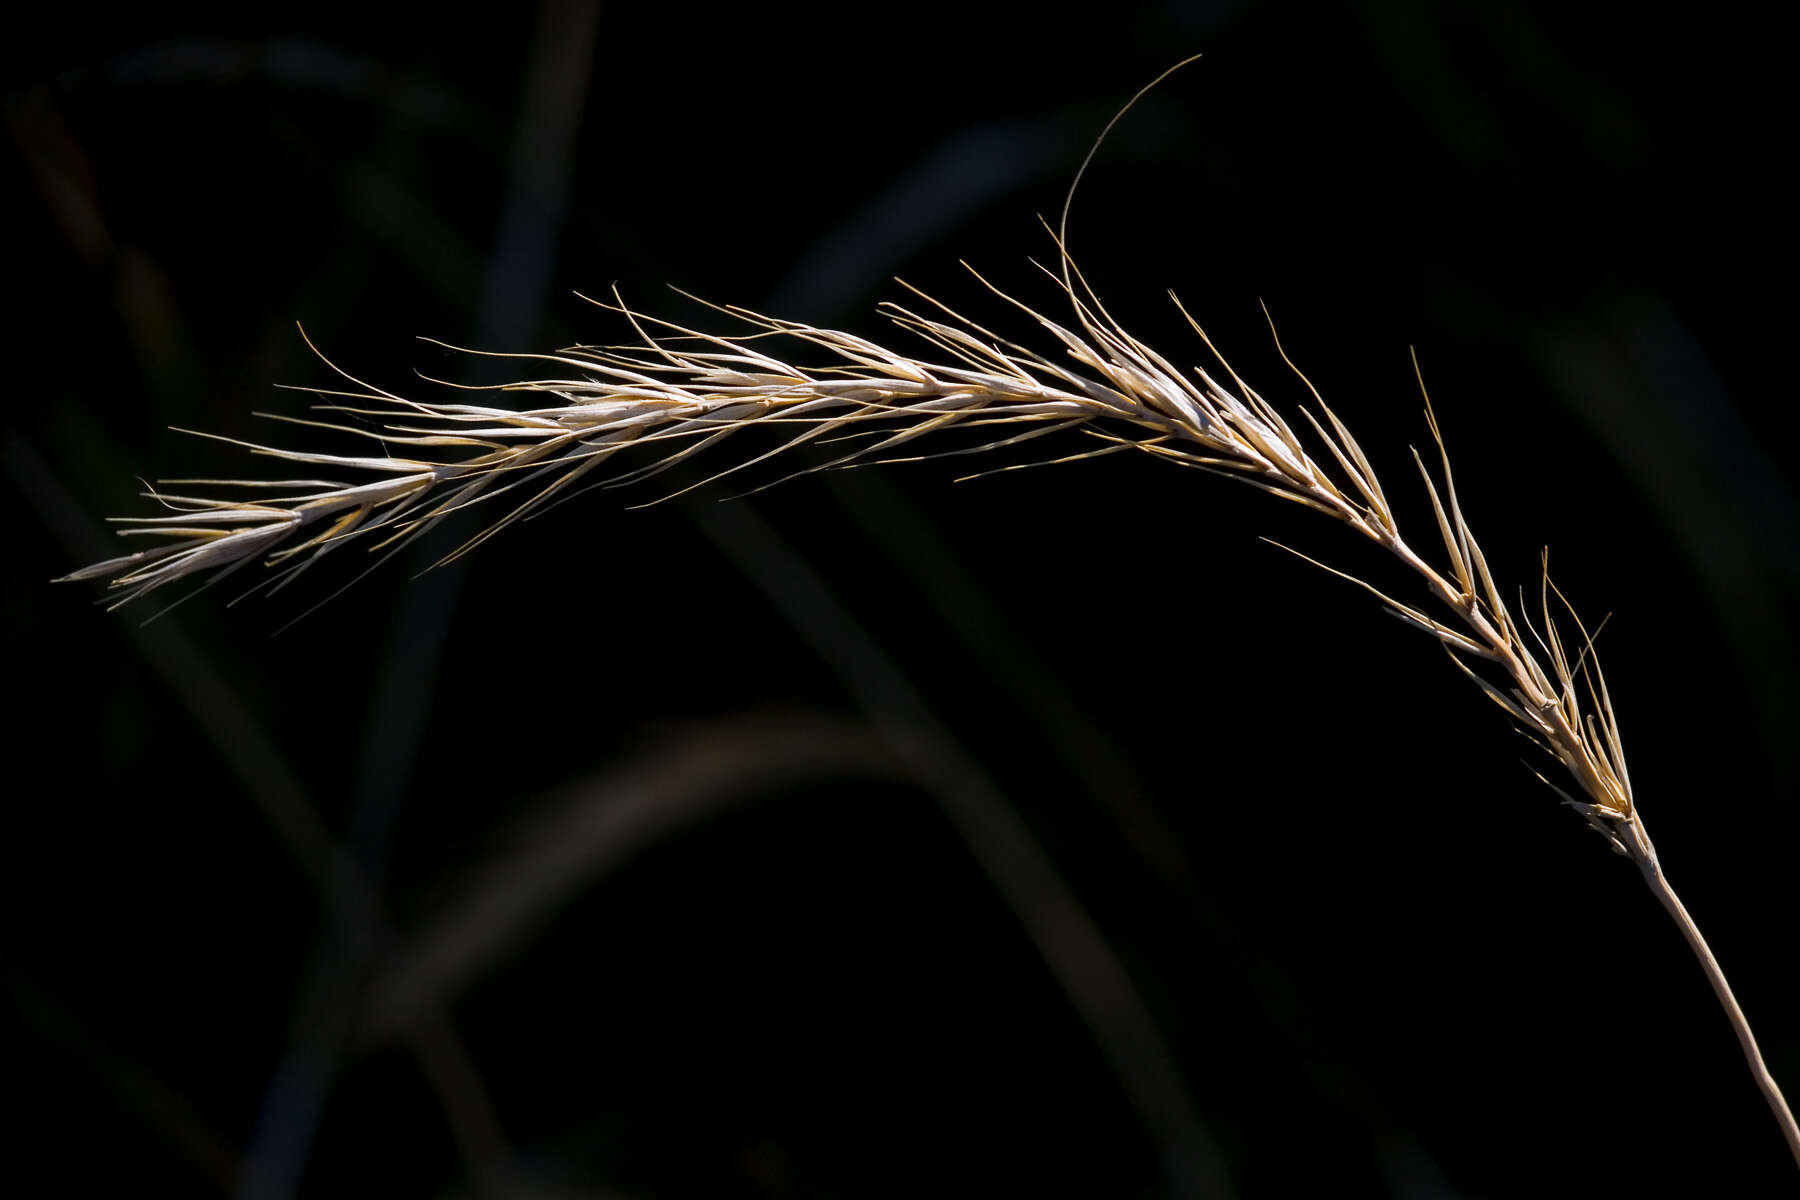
679 391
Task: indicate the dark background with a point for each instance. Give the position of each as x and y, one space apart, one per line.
1047 833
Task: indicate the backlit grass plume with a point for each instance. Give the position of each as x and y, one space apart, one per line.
678 391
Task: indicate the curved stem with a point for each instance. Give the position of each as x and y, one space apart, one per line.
1639 844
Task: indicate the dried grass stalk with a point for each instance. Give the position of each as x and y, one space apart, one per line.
680 391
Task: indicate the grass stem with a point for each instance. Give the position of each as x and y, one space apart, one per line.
1715 975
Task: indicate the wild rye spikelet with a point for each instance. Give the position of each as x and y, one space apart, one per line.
680 391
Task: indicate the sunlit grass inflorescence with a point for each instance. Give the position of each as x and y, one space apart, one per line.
676 392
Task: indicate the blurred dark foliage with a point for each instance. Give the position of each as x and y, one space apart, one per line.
1044 834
